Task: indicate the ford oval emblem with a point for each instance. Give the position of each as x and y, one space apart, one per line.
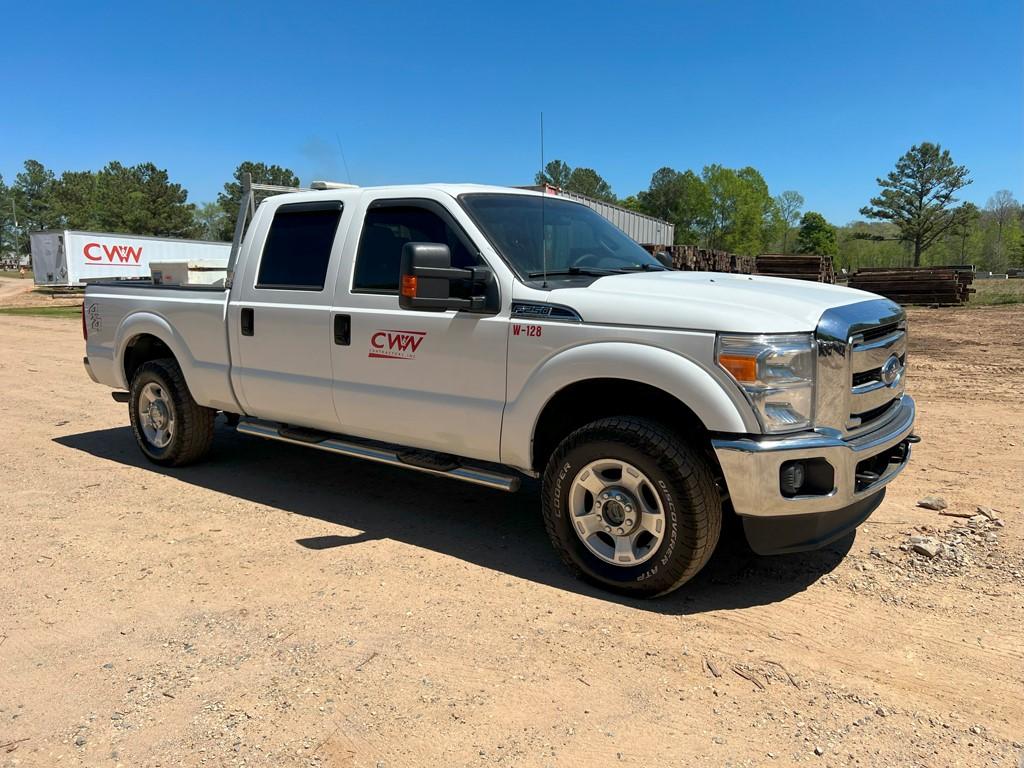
892 371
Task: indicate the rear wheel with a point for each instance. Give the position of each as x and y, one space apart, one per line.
630 506
169 426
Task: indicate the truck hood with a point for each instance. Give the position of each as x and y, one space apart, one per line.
710 301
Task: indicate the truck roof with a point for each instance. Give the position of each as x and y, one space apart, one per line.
406 189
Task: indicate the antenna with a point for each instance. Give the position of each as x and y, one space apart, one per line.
544 193
342 151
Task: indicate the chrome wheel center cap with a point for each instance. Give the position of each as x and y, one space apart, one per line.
618 509
158 414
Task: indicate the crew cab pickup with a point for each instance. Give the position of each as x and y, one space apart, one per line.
486 334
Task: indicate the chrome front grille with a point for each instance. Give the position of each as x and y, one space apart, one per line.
862 353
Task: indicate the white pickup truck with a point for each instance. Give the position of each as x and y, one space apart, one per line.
485 333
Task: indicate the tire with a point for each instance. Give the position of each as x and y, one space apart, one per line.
675 483
188 426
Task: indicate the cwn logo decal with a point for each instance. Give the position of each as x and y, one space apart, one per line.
395 345
95 253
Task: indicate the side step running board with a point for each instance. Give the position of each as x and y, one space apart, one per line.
421 461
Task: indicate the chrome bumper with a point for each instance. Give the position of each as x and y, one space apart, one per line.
752 466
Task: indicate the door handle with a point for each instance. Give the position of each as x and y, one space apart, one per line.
342 330
248 321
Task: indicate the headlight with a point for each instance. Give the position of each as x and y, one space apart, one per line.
776 372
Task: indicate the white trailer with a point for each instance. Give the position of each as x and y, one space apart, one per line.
69 258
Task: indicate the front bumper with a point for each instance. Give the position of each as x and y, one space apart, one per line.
861 468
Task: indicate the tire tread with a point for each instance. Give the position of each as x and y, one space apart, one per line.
700 520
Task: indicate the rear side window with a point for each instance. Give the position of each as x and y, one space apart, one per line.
298 247
386 230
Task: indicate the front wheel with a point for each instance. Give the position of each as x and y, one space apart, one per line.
631 507
169 426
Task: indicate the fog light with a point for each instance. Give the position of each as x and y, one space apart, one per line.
791 478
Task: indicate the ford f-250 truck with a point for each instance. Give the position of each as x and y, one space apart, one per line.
485 333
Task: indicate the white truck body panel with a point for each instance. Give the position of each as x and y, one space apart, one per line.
72 258
475 384
185 320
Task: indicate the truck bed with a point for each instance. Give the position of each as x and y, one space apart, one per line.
192 318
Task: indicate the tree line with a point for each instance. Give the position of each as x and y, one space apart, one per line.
916 217
139 199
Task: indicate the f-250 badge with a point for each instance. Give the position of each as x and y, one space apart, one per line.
395 345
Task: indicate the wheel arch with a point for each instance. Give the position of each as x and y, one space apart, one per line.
587 383
144 336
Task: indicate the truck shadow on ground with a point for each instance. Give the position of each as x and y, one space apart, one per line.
499 531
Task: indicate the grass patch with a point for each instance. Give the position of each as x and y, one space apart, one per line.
73 312
991 293
16 273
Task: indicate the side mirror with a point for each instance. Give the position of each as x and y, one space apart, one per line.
666 259
427 278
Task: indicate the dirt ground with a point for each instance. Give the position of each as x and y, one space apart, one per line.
280 607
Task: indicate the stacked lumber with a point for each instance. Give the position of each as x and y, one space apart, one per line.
690 258
949 286
804 266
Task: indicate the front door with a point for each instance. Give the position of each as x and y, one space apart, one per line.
432 380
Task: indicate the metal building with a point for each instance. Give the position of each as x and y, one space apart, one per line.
645 229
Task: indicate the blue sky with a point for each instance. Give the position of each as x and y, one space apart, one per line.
821 97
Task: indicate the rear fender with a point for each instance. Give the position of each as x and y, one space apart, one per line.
149 323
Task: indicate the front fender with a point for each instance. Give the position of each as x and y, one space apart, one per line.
718 407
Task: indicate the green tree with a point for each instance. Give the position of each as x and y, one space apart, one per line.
631 203
75 200
918 196
142 200
208 221
1002 209
6 219
231 198
742 216
679 198
587 181
33 190
816 235
788 206
556 173
964 228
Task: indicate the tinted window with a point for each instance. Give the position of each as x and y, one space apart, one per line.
298 247
386 230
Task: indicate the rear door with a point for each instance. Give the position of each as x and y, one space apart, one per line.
279 317
432 380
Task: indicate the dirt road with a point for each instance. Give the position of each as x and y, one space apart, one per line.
279 607
11 287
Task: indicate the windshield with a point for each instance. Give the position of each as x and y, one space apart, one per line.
577 239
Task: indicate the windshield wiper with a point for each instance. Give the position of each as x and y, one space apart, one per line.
588 271
643 268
